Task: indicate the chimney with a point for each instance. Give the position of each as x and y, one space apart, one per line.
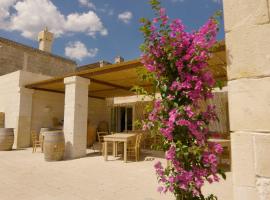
102 63
119 59
45 39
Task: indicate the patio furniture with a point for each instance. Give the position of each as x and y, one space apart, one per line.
117 137
101 140
36 141
133 148
103 126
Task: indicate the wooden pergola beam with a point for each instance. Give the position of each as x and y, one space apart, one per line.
62 92
110 84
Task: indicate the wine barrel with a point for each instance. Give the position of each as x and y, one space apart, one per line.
54 145
42 131
6 139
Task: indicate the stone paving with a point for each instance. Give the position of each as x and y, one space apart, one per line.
26 176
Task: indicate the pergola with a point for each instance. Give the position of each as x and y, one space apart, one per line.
114 80
117 79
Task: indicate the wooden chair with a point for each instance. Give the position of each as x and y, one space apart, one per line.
133 148
101 140
36 141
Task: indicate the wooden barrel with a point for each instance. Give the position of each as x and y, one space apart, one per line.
54 145
6 139
42 131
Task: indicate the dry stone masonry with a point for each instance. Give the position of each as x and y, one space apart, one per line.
247 27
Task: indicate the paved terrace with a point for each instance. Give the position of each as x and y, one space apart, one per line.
26 176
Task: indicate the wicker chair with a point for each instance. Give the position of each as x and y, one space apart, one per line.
36 142
133 148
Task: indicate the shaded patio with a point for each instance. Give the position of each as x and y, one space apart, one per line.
105 82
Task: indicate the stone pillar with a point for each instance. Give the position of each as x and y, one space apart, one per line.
247 29
23 126
75 116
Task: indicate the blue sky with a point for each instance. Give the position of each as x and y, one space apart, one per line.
92 30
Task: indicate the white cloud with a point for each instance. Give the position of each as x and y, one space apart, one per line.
31 16
125 16
89 23
77 50
5 6
87 3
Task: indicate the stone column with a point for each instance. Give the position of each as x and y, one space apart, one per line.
75 116
247 28
23 125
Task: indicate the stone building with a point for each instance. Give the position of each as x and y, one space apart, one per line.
26 109
15 56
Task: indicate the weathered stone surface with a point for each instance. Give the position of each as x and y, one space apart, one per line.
263 188
243 159
23 134
245 193
245 13
248 52
262 154
15 56
75 116
249 104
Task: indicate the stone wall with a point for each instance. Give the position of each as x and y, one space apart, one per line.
48 105
15 56
16 103
247 27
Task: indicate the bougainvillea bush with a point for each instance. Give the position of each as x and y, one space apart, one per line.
176 61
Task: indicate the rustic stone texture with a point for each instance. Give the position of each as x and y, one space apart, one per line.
15 56
262 154
249 104
75 116
243 159
23 136
245 193
245 13
248 53
263 187
247 27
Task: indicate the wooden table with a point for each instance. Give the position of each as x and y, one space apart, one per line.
117 137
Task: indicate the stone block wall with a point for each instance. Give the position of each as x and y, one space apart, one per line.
15 56
247 27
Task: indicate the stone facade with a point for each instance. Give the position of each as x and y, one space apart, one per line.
75 116
247 27
15 56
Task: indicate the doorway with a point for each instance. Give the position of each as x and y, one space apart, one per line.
122 119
